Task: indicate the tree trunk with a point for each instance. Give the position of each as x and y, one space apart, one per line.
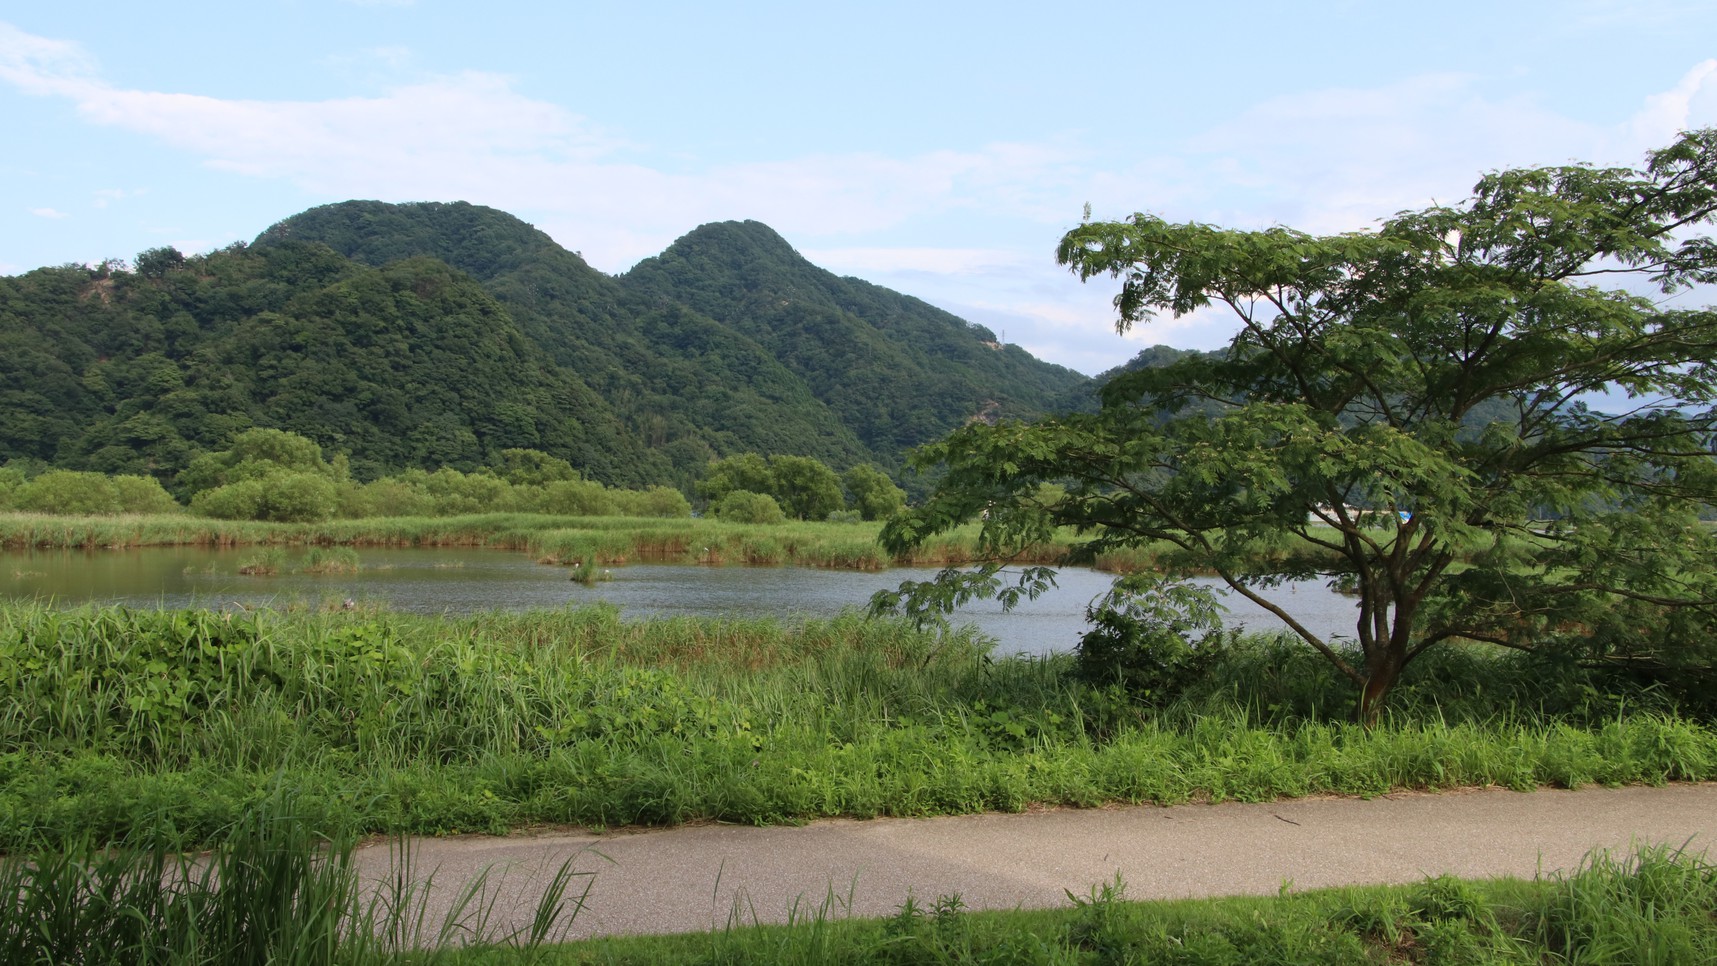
1380 675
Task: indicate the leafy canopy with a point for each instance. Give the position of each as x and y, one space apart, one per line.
1409 411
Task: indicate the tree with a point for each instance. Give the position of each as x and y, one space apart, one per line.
254 454
805 487
744 506
802 486
1409 411
157 262
742 471
874 495
529 467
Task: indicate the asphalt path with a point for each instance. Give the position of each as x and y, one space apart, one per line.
707 876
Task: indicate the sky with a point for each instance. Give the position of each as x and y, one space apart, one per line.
938 148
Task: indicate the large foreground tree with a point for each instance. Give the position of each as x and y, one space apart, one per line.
1412 411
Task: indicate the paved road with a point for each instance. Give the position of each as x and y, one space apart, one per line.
696 878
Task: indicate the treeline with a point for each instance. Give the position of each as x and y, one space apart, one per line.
273 475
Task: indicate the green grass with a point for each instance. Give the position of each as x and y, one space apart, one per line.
110 718
268 889
1651 907
130 735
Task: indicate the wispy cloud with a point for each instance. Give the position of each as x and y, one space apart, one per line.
48 213
473 136
1339 159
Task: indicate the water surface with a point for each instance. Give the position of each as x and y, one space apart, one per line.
439 581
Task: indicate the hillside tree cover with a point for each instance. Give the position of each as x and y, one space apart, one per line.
418 336
1334 435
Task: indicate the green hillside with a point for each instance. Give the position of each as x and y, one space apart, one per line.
440 334
412 364
897 370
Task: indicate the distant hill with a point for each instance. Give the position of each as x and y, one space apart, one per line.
439 334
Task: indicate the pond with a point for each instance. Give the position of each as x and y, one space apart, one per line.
459 580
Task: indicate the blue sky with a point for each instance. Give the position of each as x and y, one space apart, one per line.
937 148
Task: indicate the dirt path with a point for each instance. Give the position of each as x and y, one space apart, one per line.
695 878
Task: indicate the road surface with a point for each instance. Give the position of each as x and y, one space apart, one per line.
702 877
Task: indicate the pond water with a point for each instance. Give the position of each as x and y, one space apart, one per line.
442 581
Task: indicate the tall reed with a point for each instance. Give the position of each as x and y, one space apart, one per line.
269 889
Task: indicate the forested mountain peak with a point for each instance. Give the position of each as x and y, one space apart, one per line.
482 242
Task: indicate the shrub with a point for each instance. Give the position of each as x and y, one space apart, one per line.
659 501
299 498
743 506
69 492
1151 636
282 497
576 498
142 494
234 501
11 481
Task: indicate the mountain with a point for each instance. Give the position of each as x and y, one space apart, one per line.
410 364
439 334
683 384
897 370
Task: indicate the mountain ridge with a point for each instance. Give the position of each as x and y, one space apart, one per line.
729 341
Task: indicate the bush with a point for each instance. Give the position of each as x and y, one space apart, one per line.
11 481
299 498
659 501
576 498
743 506
69 492
142 494
1151 636
234 501
282 498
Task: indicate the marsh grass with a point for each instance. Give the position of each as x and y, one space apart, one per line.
268 889
330 560
265 562
553 539
395 723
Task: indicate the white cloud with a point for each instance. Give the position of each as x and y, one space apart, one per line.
1340 159
939 261
1689 104
38 65
48 213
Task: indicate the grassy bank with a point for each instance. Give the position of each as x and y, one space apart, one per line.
607 541
111 720
1653 907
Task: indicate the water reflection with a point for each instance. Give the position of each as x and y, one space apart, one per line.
457 581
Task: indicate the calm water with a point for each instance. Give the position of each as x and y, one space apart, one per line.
441 581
